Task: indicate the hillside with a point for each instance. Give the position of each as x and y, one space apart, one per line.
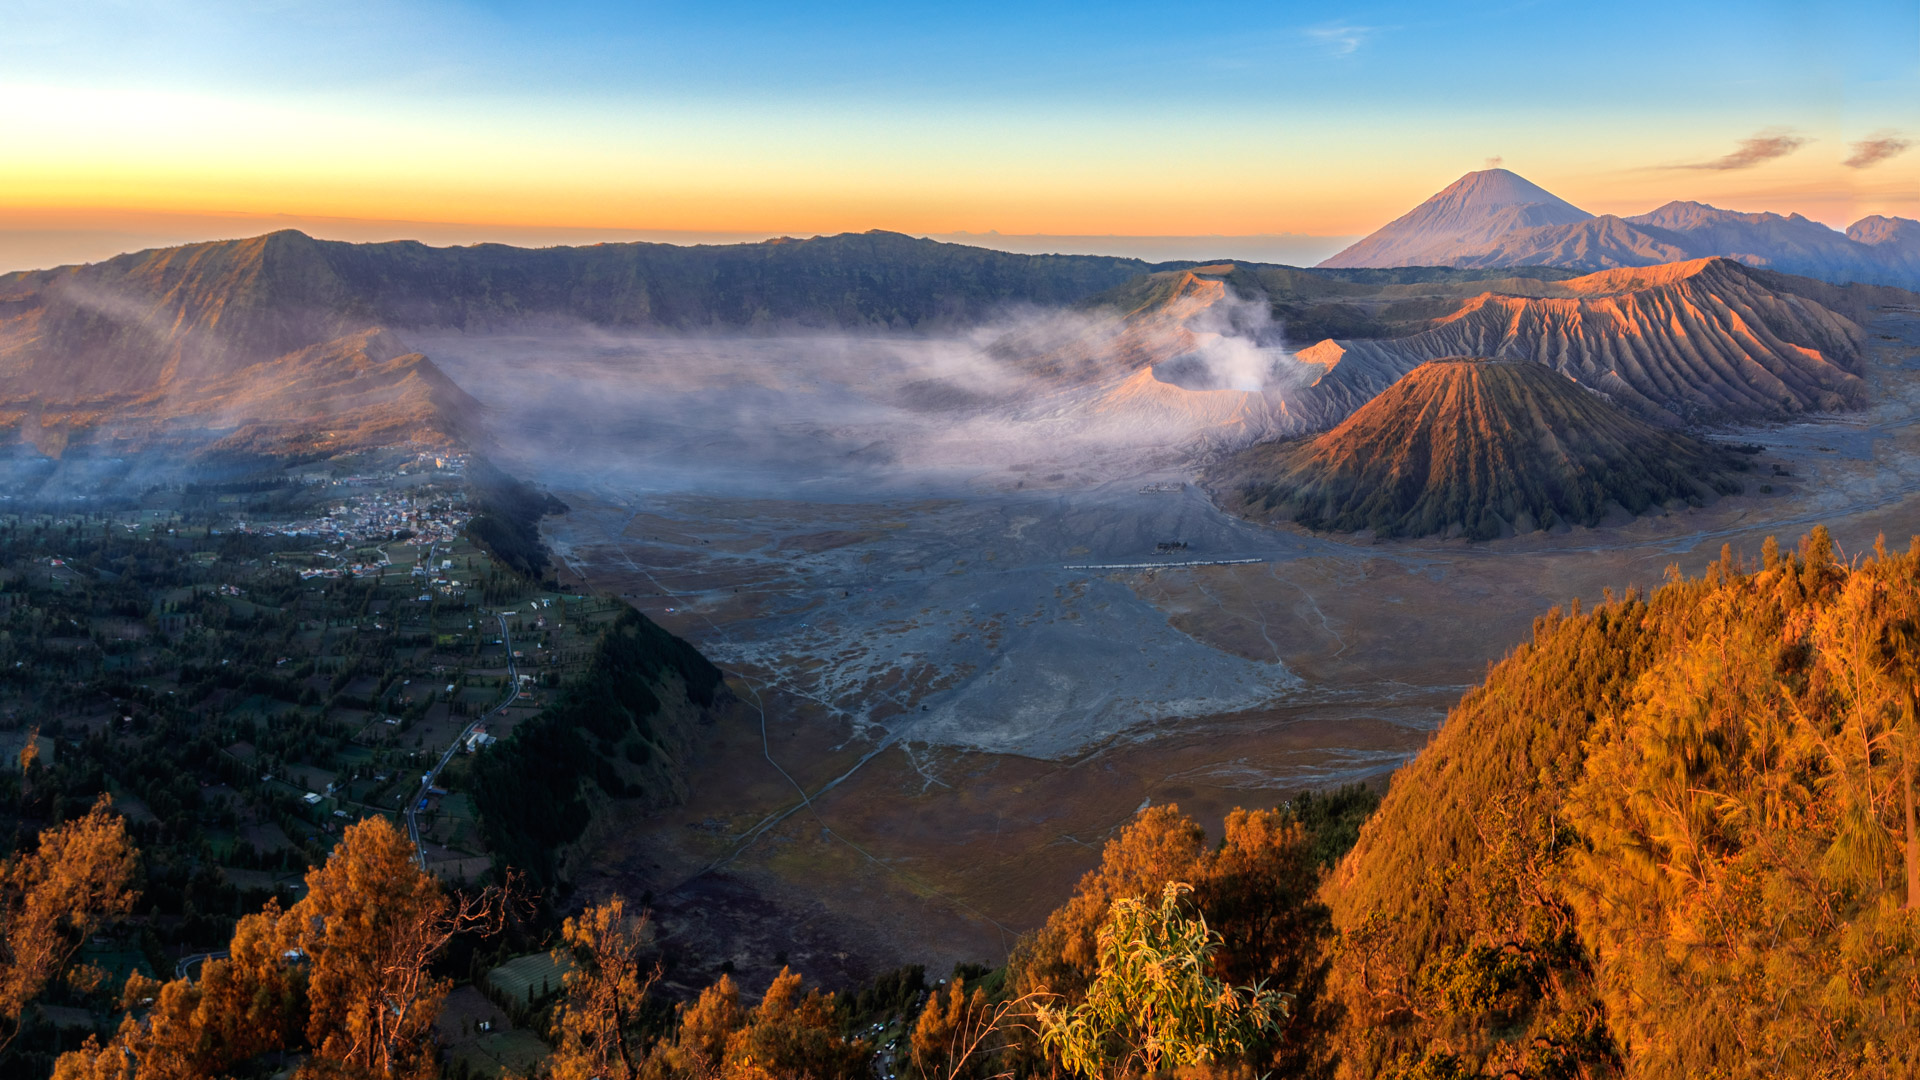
270 345
624 731
1474 448
358 391
1666 838
1703 340
1206 351
1484 221
1214 349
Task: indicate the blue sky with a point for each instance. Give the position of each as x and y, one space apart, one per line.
1143 118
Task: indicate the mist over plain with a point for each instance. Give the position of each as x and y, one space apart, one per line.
902 514
1032 398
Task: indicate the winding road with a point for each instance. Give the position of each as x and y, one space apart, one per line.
432 777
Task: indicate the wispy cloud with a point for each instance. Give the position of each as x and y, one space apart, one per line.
1341 39
1870 152
1762 148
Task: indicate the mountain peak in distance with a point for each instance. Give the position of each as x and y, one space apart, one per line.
1499 187
1474 210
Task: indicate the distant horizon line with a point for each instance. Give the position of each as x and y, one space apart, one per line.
41 240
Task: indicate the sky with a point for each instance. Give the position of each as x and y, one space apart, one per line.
1297 126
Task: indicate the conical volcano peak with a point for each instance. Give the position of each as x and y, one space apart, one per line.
1498 188
1472 212
1476 447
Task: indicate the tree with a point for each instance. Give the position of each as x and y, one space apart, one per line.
344 972
242 1006
1256 888
1154 1001
77 877
1159 845
604 989
788 1035
370 924
700 1044
958 1037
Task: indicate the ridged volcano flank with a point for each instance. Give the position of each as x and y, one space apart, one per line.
1683 342
1476 448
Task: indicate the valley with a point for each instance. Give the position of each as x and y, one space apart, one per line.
957 704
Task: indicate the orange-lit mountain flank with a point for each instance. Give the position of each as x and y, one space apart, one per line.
1707 339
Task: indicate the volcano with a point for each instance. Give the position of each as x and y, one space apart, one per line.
1496 218
1473 213
1476 448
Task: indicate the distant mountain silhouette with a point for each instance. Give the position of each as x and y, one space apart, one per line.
1496 219
1475 448
250 343
286 343
1475 211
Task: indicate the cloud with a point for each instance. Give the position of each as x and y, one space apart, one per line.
854 413
1341 39
1758 150
1496 161
1870 152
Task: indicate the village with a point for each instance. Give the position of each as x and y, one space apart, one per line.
246 672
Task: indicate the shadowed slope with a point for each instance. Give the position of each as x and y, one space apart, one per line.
1474 448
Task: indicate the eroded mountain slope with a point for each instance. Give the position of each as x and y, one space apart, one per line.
1701 340
1477 448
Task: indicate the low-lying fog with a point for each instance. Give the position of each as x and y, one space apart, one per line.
1084 397
911 529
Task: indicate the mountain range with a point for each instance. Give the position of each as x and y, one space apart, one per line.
1705 340
1496 218
282 341
282 344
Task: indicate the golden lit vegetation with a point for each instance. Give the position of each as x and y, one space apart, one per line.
1669 837
344 972
1673 836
